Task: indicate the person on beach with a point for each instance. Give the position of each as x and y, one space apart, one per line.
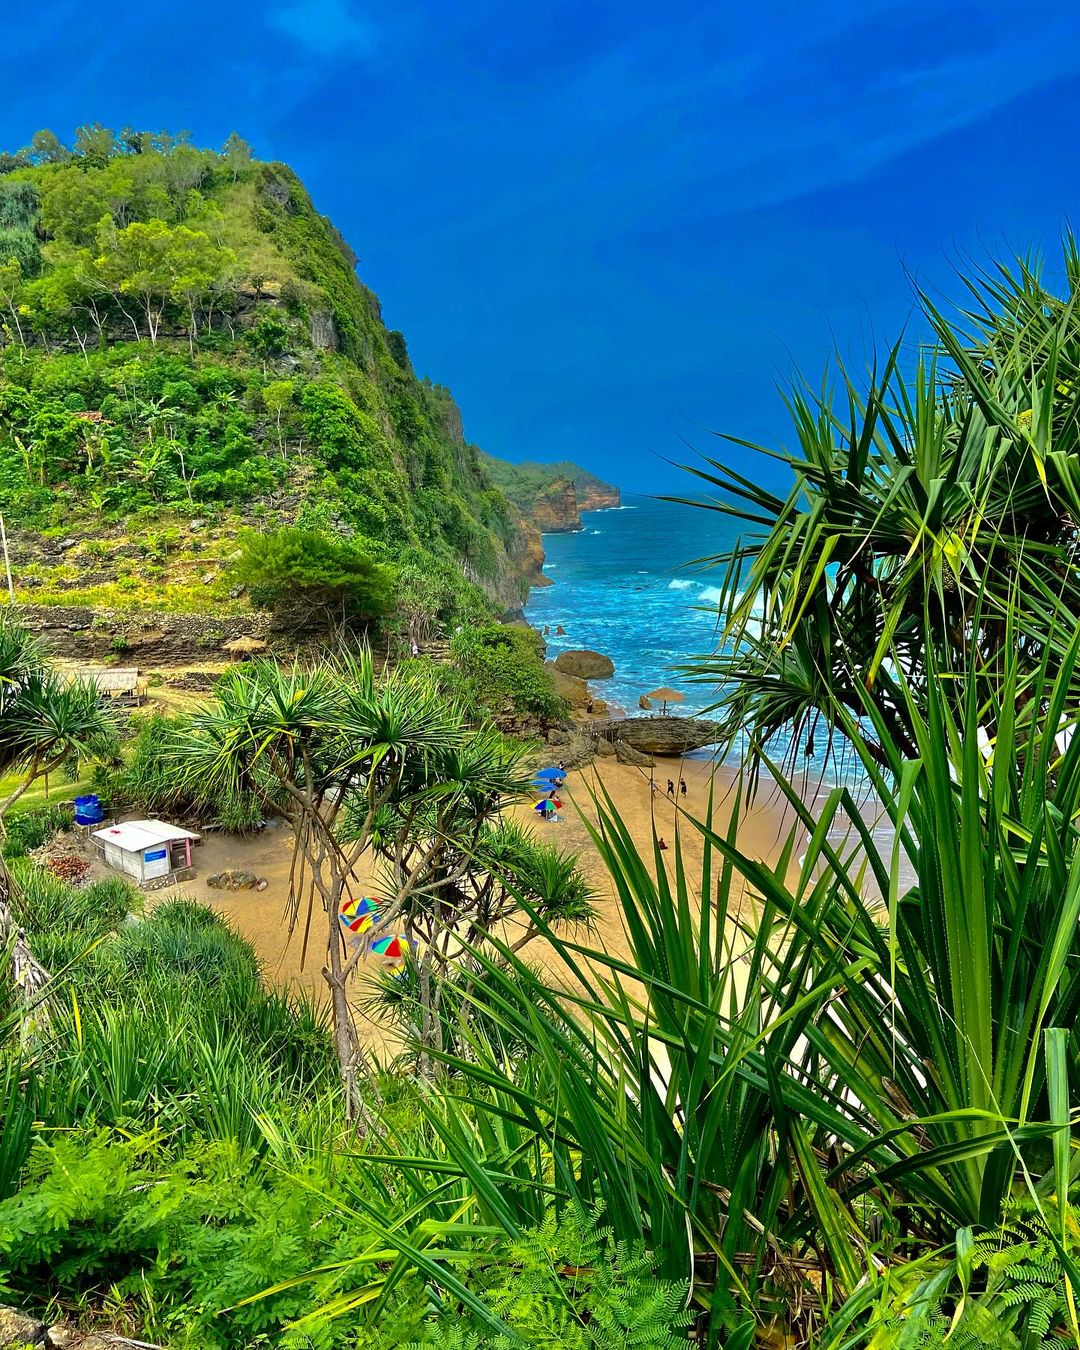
671 789
682 786
661 844
652 786
415 648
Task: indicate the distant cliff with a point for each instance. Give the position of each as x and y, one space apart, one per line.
552 496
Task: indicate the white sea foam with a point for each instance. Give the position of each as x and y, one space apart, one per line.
596 531
680 584
711 595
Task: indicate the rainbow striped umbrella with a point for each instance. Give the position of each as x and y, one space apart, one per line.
393 948
357 916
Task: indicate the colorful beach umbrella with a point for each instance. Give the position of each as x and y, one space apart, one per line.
358 915
393 948
544 807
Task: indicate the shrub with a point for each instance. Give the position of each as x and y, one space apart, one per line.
29 829
504 666
298 572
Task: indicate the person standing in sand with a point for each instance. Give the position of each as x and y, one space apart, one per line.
682 786
671 789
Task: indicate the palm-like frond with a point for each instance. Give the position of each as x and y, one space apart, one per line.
917 502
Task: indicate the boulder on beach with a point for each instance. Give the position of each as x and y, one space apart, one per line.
569 687
668 737
585 664
233 879
628 754
645 703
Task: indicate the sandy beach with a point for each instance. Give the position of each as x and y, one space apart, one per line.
260 916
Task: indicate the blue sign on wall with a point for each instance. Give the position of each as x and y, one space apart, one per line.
154 854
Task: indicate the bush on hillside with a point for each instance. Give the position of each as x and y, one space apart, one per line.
302 573
504 668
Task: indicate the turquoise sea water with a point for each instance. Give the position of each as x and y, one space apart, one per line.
634 584
626 585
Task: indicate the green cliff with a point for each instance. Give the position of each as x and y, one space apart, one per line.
552 496
186 354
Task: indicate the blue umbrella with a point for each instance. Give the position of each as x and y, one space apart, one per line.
553 772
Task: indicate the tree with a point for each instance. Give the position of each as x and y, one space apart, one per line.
11 294
194 264
334 744
47 148
95 144
134 261
19 245
267 337
278 397
302 573
237 154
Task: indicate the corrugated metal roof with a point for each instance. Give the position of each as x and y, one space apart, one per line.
134 835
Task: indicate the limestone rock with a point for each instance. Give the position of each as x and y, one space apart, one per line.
604 748
62 1337
627 754
668 737
645 703
585 664
16 1329
569 687
233 879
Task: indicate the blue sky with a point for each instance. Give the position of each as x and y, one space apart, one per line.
610 228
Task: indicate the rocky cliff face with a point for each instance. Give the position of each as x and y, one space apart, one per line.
597 496
555 508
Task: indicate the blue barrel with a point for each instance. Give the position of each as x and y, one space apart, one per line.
88 810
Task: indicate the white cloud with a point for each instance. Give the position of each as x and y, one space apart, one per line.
327 28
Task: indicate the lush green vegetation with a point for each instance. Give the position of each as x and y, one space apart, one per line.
314 573
502 666
842 1114
183 339
527 481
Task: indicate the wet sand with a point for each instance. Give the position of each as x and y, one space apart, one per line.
261 917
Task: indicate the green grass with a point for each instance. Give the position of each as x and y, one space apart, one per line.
39 795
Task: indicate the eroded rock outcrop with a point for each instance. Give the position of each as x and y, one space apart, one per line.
585 664
668 737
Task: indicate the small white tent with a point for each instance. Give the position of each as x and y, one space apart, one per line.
145 849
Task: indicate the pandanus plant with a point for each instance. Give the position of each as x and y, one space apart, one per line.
356 762
920 502
787 1098
46 722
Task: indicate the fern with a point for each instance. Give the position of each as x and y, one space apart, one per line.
566 1285
1019 1301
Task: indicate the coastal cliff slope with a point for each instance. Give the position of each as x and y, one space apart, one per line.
186 352
552 496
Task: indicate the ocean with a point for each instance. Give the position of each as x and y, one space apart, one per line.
631 584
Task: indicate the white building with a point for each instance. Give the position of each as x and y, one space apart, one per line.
145 849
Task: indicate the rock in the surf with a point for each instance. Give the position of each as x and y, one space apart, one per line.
585 664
